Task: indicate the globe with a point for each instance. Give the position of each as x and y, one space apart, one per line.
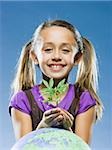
50 139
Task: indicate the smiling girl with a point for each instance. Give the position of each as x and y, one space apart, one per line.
56 48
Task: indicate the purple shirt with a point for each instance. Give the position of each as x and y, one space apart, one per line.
20 101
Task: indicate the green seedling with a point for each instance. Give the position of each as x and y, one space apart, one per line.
53 93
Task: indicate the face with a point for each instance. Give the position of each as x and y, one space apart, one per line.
56 56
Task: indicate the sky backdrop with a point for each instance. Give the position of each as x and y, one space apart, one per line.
18 21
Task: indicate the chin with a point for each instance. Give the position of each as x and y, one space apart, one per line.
58 77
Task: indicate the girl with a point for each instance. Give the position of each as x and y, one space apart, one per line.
56 48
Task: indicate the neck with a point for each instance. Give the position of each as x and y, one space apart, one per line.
56 81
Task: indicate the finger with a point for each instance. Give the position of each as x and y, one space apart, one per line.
52 111
59 118
51 117
67 124
70 115
67 120
57 121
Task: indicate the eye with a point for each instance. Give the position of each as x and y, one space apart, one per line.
48 50
65 51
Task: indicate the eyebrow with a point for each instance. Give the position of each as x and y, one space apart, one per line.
48 43
62 44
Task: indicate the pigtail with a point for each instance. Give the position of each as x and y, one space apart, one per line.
87 75
25 75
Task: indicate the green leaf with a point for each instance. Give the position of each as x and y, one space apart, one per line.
51 82
53 93
61 83
45 83
44 90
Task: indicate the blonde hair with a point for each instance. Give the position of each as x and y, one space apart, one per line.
87 75
25 75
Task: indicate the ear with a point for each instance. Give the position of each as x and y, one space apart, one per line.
77 58
33 57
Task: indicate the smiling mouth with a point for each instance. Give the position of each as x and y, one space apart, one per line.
56 67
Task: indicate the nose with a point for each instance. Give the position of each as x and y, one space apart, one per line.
56 56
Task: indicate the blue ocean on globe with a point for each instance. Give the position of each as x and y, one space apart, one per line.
50 139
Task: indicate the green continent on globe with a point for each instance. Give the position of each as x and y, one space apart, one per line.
51 139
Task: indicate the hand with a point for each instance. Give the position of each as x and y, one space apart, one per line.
68 120
52 117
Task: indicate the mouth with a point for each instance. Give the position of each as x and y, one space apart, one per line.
56 67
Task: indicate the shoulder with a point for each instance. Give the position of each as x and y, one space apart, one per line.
19 95
20 101
86 102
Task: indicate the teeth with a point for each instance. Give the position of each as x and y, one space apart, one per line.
56 67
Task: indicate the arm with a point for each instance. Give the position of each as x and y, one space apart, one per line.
22 123
84 123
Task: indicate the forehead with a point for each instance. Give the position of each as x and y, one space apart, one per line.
57 34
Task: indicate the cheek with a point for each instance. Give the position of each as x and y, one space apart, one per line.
43 58
70 59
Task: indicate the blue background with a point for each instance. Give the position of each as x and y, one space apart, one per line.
18 21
